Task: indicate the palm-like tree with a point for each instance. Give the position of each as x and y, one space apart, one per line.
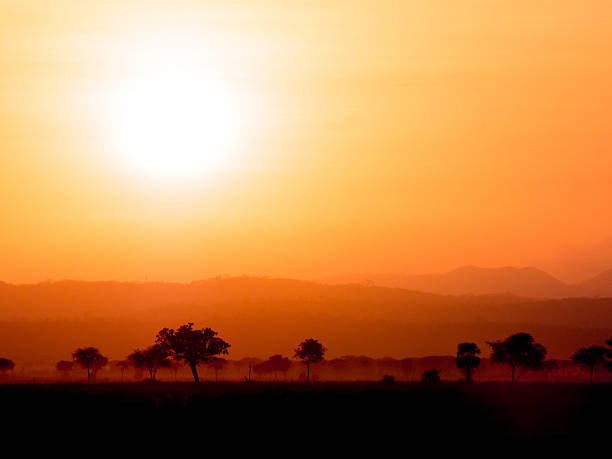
467 359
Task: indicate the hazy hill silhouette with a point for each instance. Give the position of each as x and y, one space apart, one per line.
528 282
48 320
600 285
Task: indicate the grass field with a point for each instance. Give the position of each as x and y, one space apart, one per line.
413 412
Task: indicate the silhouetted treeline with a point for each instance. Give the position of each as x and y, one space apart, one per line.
344 368
200 350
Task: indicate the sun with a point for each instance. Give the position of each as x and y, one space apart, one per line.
171 125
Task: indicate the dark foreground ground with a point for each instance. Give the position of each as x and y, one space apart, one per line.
348 414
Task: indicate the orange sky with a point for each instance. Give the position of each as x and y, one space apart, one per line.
406 136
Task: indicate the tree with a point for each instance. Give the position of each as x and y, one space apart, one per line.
309 351
64 367
217 364
520 352
273 365
467 359
549 366
91 359
589 357
123 365
430 376
151 359
6 365
192 346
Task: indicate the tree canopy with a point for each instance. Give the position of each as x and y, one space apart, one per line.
310 351
192 346
590 357
520 352
151 358
91 359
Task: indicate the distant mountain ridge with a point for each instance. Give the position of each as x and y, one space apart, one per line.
472 280
263 317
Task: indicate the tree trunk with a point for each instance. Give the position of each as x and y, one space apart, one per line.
194 371
467 374
88 375
151 373
512 373
307 371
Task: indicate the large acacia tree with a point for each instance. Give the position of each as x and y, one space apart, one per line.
309 351
520 352
191 346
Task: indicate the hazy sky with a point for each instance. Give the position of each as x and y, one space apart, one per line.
373 136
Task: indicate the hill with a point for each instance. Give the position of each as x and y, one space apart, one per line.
262 317
471 280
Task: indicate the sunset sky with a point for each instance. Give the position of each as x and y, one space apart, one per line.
178 140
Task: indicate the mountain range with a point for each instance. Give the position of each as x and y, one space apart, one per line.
262 317
471 280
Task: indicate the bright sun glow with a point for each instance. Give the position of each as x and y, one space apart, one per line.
174 125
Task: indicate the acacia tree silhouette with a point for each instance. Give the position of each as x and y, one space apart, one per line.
467 359
520 352
589 357
309 351
191 346
91 359
151 358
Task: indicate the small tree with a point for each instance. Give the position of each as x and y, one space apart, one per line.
520 352
123 365
191 346
151 359
309 351
430 376
90 359
589 357
548 366
276 363
6 365
217 364
64 367
467 359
